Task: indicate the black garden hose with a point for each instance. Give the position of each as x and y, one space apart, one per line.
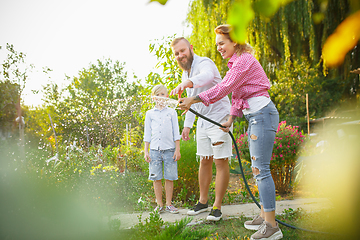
243 175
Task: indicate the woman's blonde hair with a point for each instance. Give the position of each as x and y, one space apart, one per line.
157 89
239 48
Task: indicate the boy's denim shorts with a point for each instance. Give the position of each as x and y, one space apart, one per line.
162 159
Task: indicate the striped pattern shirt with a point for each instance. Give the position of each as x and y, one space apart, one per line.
245 79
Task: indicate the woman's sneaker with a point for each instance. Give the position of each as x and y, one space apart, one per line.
254 224
267 232
171 209
159 209
198 208
215 214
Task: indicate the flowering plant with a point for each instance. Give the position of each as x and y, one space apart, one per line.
286 149
243 146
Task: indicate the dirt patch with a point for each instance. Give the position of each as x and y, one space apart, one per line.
236 182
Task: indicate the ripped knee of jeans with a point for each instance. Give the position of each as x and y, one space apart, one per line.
255 171
253 137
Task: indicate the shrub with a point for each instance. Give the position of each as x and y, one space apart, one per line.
243 146
285 152
132 158
186 188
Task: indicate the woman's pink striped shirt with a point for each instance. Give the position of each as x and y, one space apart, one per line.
245 79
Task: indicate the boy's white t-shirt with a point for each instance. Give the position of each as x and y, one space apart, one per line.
161 128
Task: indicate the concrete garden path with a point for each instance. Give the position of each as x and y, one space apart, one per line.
248 209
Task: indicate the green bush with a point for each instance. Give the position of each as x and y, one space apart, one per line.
186 188
132 158
286 149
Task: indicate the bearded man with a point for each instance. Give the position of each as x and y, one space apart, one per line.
213 144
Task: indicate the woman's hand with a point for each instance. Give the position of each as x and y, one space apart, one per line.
228 123
185 103
227 126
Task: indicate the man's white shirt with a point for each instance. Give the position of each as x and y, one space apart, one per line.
204 75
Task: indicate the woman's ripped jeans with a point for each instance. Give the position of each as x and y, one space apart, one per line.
261 136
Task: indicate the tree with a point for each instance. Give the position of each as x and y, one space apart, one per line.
93 109
8 100
14 75
169 77
288 43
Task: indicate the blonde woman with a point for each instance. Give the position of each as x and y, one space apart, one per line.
249 85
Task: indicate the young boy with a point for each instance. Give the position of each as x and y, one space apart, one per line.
161 133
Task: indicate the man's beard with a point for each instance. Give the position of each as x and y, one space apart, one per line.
186 66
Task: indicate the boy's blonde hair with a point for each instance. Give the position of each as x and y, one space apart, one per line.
239 48
157 89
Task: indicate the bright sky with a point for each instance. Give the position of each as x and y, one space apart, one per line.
68 35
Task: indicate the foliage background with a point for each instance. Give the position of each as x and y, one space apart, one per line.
98 118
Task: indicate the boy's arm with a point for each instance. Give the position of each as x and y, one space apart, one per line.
176 135
146 151
177 154
147 137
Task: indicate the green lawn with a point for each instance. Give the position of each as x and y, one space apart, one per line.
233 228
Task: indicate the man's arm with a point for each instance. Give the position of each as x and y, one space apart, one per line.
181 87
204 73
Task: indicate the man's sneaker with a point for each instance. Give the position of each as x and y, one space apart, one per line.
159 209
198 208
267 232
254 224
171 209
215 214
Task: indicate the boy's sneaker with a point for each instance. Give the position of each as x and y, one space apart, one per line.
198 208
254 224
159 209
267 232
215 214
171 209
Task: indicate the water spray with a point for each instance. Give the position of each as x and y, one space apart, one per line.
165 101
